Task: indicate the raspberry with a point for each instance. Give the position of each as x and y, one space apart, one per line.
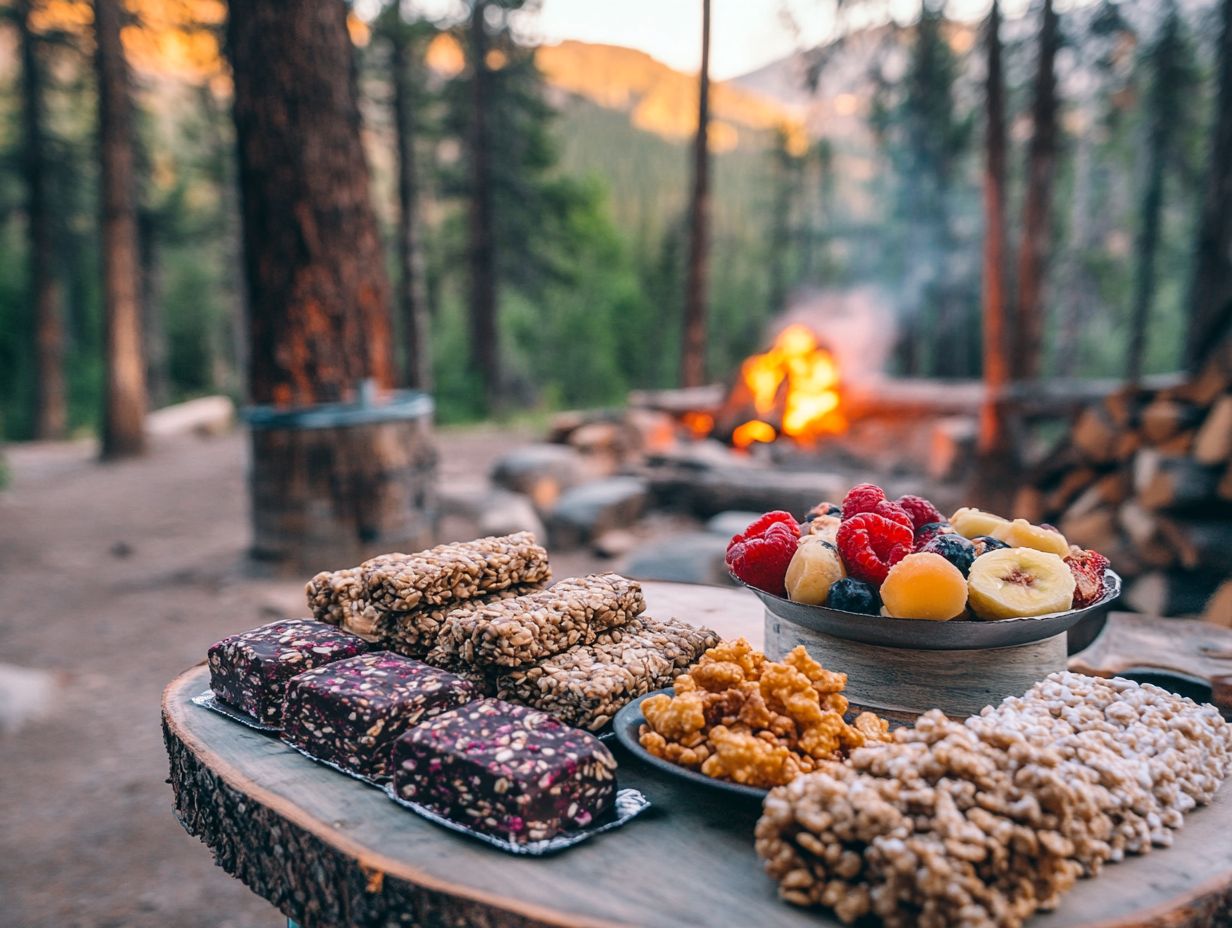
1088 569
759 526
894 511
871 544
922 512
761 555
852 595
863 497
955 549
926 533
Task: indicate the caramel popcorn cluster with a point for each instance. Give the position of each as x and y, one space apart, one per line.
740 717
979 824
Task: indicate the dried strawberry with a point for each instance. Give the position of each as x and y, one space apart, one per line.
863 497
896 512
922 512
871 544
761 554
1088 569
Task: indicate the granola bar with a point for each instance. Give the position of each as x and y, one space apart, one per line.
455 572
351 712
250 670
526 629
586 685
333 593
505 770
415 633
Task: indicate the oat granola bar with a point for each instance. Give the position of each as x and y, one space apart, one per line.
250 670
414 633
351 712
454 572
586 685
505 770
529 628
332 593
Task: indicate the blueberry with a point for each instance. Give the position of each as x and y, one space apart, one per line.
985 543
955 549
853 595
930 530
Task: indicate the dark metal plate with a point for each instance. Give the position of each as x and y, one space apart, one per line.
626 725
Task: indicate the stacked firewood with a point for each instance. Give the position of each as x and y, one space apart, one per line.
1145 476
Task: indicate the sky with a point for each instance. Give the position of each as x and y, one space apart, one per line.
744 34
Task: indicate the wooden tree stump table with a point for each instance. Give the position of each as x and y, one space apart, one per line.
327 850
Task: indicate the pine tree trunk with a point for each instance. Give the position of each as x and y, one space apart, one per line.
993 437
1036 231
1158 117
51 412
125 402
317 290
230 360
693 349
485 338
1211 290
153 326
412 292
319 298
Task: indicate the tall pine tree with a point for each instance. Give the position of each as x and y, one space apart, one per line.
125 392
1172 81
51 395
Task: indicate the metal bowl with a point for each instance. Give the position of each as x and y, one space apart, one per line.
921 634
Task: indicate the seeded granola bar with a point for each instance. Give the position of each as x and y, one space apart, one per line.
351 712
505 770
455 572
415 633
588 684
529 628
250 670
332 594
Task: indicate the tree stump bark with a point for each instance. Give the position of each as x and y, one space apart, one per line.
334 496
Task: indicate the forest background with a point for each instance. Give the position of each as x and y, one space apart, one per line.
859 162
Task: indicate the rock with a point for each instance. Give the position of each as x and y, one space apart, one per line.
503 513
693 557
732 522
615 543
652 432
26 695
587 511
542 472
204 416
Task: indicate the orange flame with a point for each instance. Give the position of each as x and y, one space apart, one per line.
798 377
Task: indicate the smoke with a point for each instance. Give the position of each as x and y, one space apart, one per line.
858 326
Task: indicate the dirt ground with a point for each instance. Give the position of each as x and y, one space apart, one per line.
113 578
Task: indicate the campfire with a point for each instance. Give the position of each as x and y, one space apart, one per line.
791 390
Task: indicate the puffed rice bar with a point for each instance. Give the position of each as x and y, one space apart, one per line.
455 572
529 628
586 685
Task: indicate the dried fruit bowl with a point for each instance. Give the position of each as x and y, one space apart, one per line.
955 635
